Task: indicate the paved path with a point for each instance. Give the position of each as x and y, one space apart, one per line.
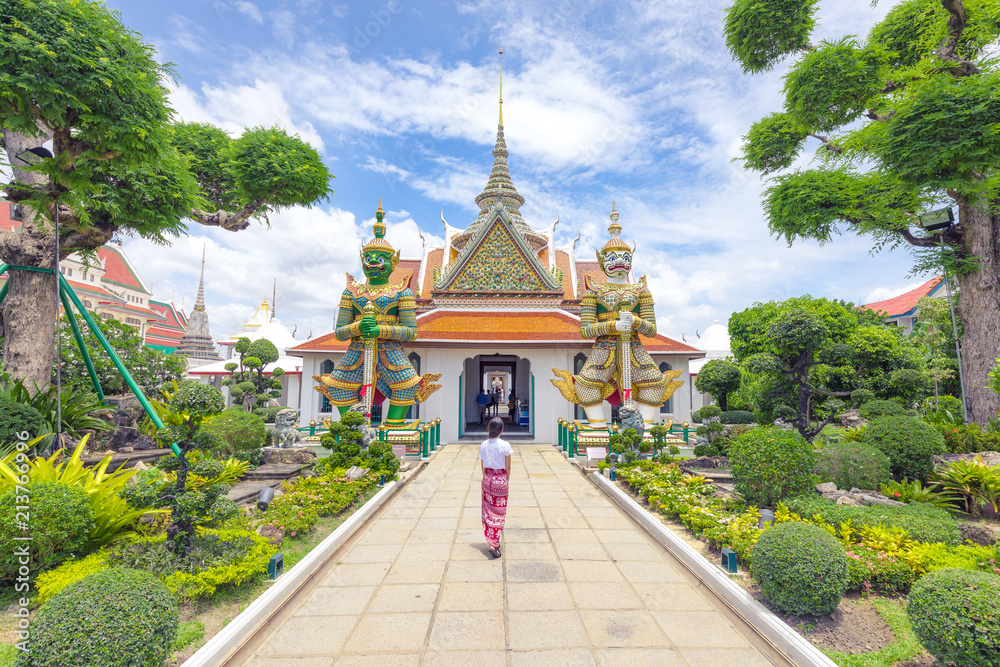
577 584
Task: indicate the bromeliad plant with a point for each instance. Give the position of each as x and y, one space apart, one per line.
974 483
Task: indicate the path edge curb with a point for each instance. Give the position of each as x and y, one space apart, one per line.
220 647
783 638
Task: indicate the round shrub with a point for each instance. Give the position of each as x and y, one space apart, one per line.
861 396
853 464
59 521
114 618
737 417
771 463
800 568
946 402
956 616
17 418
879 408
907 441
785 412
240 434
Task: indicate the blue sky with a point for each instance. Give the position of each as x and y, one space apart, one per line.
636 102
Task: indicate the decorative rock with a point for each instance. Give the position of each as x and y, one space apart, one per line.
855 489
125 450
703 462
848 500
826 487
121 437
978 534
781 423
871 500
273 534
142 443
404 466
354 472
851 419
990 458
140 466
291 455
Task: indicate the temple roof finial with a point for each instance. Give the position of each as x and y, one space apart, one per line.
501 85
199 304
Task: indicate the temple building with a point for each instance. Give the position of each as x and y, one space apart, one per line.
498 307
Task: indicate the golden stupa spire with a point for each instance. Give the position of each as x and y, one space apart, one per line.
501 84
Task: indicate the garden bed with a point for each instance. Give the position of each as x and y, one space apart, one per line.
866 630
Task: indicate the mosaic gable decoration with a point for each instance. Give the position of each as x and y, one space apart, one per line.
498 260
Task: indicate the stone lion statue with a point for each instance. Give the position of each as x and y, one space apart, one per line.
368 434
631 418
286 432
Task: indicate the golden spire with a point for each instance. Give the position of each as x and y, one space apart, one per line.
501 84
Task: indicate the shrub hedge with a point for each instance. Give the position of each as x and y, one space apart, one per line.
18 418
59 523
853 464
880 408
771 463
114 618
267 414
946 402
907 441
956 616
800 568
924 522
737 417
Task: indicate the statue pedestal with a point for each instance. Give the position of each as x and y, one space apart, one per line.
300 455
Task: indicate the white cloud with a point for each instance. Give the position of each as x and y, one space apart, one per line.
883 293
250 10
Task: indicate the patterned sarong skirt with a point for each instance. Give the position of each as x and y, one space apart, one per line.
494 504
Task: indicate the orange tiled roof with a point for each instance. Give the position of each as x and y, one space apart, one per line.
117 269
534 327
905 304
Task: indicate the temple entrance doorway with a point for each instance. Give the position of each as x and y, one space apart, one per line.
504 376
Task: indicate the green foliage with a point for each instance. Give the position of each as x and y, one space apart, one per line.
861 396
769 464
706 412
762 34
800 568
968 438
956 615
71 571
907 441
188 633
17 418
880 408
737 417
55 516
113 519
240 435
871 570
268 165
77 406
719 378
943 403
833 84
973 483
267 414
113 618
308 498
150 368
851 464
914 492
772 144
248 381
921 521
215 558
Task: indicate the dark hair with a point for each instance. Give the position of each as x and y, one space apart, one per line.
495 427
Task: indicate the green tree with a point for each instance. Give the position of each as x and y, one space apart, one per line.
248 381
812 350
150 368
70 71
906 119
933 333
719 378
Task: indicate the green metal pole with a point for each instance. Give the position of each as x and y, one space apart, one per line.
424 449
80 344
572 442
6 285
143 401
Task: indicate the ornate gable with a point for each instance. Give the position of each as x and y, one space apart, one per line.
498 260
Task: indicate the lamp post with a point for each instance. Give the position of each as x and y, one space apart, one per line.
33 157
933 221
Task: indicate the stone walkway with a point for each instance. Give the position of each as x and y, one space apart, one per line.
577 584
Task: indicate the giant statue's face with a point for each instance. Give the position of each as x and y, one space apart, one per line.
616 263
377 264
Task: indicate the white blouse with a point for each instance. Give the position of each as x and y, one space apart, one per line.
494 452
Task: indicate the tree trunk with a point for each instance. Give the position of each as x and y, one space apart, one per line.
979 308
31 308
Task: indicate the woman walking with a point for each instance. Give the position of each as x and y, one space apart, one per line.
494 457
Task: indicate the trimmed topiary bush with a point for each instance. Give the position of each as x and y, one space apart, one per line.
853 464
956 616
267 414
907 441
861 396
16 418
240 435
800 568
737 417
771 463
946 402
114 618
879 408
59 523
